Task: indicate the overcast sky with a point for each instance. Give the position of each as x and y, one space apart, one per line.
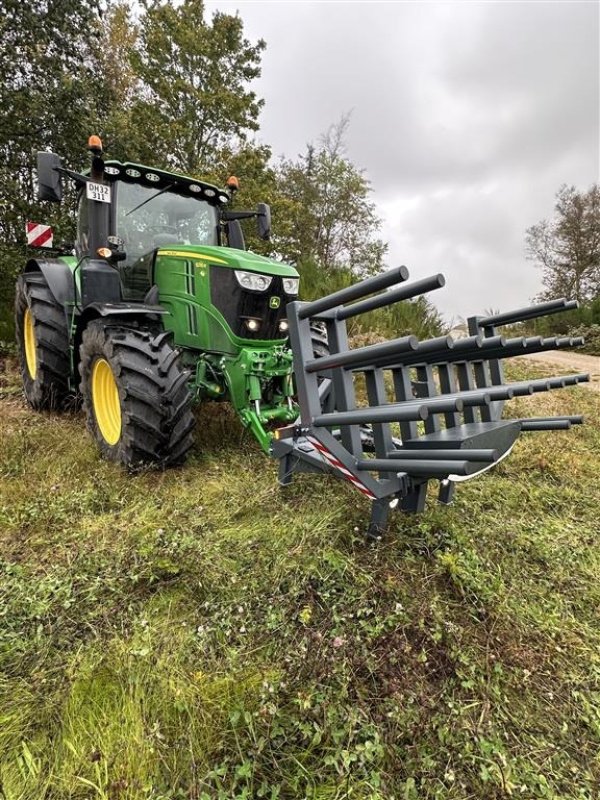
466 117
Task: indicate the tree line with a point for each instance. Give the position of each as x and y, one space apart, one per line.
168 87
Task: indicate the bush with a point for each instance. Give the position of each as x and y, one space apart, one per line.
591 334
562 324
418 317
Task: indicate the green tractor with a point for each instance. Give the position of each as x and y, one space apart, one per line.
159 307
162 306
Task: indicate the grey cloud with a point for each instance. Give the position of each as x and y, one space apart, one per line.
467 117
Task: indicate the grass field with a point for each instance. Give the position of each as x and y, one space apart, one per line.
201 634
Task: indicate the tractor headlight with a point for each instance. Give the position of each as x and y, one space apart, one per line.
290 285
283 326
253 281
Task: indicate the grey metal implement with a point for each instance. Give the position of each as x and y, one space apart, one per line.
435 407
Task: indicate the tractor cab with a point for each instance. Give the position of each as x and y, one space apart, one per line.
147 214
147 209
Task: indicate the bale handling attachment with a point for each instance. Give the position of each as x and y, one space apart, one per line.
444 397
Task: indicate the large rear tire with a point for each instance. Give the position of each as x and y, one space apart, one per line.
135 396
43 343
320 346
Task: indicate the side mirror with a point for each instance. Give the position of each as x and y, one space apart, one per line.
49 179
263 220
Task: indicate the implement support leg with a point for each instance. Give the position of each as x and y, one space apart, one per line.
379 516
285 471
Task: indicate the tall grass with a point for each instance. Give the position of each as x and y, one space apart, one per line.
200 633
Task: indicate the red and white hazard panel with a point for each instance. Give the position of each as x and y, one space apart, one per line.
39 235
334 462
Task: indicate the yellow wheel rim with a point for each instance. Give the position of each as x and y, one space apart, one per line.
105 401
29 339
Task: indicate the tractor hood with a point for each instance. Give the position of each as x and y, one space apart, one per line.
230 257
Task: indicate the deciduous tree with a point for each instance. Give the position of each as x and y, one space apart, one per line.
567 247
330 216
195 85
47 90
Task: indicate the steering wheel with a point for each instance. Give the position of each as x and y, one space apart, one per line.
163 229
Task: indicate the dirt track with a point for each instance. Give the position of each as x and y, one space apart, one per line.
575 362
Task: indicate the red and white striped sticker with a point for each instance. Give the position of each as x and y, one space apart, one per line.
39 235
331 459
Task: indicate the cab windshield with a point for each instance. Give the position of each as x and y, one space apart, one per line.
148 218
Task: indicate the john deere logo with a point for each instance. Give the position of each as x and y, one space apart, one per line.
274 302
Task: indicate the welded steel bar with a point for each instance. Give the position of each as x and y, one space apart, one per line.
344 390
545 384
394 412
572 380
529 312
377 396
549 423
354 292
364 356
448 385
507 351
484 456
403 391
424 468
428 384
387 298
397 412
460 350
503 392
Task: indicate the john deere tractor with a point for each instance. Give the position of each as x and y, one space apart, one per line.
161 306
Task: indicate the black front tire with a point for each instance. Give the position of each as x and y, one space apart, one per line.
43 344
154 401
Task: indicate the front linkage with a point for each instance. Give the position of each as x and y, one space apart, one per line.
257 382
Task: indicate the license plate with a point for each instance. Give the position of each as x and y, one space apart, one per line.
100 192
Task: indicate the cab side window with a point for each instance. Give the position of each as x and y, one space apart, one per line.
83 230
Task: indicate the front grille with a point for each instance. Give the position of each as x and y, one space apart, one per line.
237 304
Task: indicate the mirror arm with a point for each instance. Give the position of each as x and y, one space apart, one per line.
75 176
229 216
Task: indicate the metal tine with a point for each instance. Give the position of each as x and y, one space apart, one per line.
394 412
545 384
425 467
508 350
475 346
354 292
529 312
572 380
550 343
503 391
363 356
390 354
549 423
388 298
485 456
442 348
399 412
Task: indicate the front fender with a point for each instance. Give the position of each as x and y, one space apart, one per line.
58 276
